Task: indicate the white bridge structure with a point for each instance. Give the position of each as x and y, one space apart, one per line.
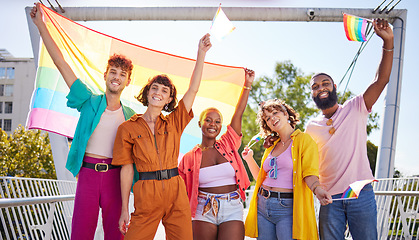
42 209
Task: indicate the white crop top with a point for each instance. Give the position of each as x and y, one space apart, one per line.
103 137
217 175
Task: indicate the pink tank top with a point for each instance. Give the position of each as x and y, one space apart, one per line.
284 170
217 175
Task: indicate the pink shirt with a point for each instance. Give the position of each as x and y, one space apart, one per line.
343 155
190 165
284 172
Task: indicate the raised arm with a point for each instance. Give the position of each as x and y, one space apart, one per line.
53 50
236 120
203 47
373 92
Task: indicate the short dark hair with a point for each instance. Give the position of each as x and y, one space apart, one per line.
322 73
279 105
164 80
118 60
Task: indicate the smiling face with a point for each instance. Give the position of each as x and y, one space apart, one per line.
116 79
323 91
158 95
211 124
276 120
162 87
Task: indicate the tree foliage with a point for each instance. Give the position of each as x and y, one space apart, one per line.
293 86
26 153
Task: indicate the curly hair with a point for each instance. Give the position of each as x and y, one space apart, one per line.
275 104
118 60
164 80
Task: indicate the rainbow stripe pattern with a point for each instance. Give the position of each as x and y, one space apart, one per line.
87 52
355 27
355 188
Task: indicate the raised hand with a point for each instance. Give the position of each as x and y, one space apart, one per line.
36 14
249 77
205 43
247 154
382 29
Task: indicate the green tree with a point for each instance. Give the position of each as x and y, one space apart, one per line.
26 153
293 86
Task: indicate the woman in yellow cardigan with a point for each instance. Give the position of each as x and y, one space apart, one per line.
282 203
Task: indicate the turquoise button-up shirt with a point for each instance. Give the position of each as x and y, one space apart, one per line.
91 108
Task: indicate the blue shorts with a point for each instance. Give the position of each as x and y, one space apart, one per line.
228 210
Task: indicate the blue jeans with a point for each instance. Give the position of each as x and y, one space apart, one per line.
274 218
360 215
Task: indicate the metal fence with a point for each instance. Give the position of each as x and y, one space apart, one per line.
35 208
42 209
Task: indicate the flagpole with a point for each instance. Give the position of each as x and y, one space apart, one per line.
341 199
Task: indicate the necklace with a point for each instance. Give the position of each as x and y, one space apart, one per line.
283 143
205 148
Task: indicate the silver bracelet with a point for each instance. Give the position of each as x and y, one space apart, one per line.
388 50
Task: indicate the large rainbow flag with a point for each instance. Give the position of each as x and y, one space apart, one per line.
87 52
355 27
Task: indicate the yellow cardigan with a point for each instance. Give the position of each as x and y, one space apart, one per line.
305 163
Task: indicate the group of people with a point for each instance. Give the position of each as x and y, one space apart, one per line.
201 197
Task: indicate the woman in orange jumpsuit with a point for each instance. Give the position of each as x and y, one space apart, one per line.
151 141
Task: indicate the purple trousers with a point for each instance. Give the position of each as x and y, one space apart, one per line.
97 190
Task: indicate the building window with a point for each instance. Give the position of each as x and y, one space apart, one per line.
2 72
10 73
1 121
1 107
8 107
1 89
7 124
8 90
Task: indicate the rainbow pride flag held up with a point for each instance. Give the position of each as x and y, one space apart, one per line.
221 25
355 27
354 189
87 51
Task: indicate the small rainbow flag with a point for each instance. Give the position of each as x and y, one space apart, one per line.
355 27
256 139
221 26
354 189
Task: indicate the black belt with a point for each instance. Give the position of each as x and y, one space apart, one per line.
99 167
159 175
270 194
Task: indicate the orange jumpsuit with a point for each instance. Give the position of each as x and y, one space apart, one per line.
156 200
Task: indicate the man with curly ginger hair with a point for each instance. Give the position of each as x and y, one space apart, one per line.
91 152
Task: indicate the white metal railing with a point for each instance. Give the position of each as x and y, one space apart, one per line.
42 209
398 208
36 208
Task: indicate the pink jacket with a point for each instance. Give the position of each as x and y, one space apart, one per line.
190 165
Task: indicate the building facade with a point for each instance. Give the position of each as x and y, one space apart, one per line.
17 77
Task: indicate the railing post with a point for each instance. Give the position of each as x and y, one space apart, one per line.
47 226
